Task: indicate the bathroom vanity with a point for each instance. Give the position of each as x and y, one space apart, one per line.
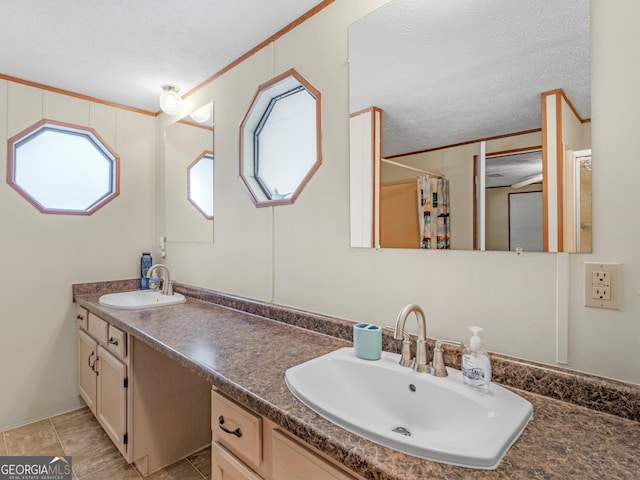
239 350
154 410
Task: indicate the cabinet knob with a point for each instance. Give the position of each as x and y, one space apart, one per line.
237 432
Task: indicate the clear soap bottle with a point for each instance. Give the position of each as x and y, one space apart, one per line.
476 365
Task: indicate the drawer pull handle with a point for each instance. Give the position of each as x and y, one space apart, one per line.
235 432
91 365
113 341
79 317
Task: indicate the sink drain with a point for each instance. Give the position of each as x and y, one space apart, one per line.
402 431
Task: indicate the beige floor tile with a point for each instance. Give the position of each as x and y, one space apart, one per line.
182 470
71 416
202 461
95 457
37 438
84 439
116 471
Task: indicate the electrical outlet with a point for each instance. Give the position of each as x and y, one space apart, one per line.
602 285
601 293
602 278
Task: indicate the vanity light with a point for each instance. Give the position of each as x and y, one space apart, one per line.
202 114
170 100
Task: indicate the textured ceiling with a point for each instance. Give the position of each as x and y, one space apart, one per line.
450 71
507 170
122 50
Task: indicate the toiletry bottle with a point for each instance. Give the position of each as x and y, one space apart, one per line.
154 283
145 265
476 365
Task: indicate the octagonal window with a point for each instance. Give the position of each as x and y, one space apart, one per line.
200 184
280 141
62 168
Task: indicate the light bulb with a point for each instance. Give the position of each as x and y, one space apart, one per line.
201 114
170 100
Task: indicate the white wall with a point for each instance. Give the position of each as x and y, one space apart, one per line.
299 255
42 255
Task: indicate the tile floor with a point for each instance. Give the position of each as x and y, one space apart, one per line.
79 435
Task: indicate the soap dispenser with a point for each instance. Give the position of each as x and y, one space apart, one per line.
145 265
476 365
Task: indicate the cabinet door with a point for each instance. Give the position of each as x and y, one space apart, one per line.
292 460
227 467
112 398
87 356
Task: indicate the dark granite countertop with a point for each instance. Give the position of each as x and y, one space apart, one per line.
245 356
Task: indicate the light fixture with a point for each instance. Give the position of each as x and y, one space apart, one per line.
170 100
201 114
528 181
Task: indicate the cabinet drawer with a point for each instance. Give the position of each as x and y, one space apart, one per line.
117 342
98 328
226 467
237 429
82 315
292 460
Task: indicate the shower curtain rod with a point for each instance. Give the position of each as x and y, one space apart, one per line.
426 172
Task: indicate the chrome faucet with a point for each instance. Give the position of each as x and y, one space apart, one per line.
439 368
422 352
167 287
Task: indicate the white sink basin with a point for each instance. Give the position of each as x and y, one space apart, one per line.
382 401
139 299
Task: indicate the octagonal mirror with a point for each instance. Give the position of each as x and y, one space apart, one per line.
280 141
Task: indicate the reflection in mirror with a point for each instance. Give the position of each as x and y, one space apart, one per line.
577 202
189 178
430 80
513 201
200 184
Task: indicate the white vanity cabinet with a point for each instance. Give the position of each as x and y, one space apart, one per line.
87 356
247 446
155 411
111 409
102 376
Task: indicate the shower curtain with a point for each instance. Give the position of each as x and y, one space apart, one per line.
433 212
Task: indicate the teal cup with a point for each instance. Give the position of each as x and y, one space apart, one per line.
367 341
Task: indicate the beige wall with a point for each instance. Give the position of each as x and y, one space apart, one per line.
299 255
42 255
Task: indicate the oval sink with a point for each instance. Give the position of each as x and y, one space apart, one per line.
439 419
139 299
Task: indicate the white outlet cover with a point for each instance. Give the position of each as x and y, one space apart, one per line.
612 283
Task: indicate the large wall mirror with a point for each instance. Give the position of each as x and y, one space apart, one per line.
189 177
486 100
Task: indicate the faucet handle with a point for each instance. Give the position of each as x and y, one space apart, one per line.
439 368
405 357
